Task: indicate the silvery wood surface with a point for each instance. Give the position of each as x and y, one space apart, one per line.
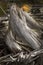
11 43
32 22
22 30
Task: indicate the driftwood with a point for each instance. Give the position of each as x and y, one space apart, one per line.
19 26
24 58
23 54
